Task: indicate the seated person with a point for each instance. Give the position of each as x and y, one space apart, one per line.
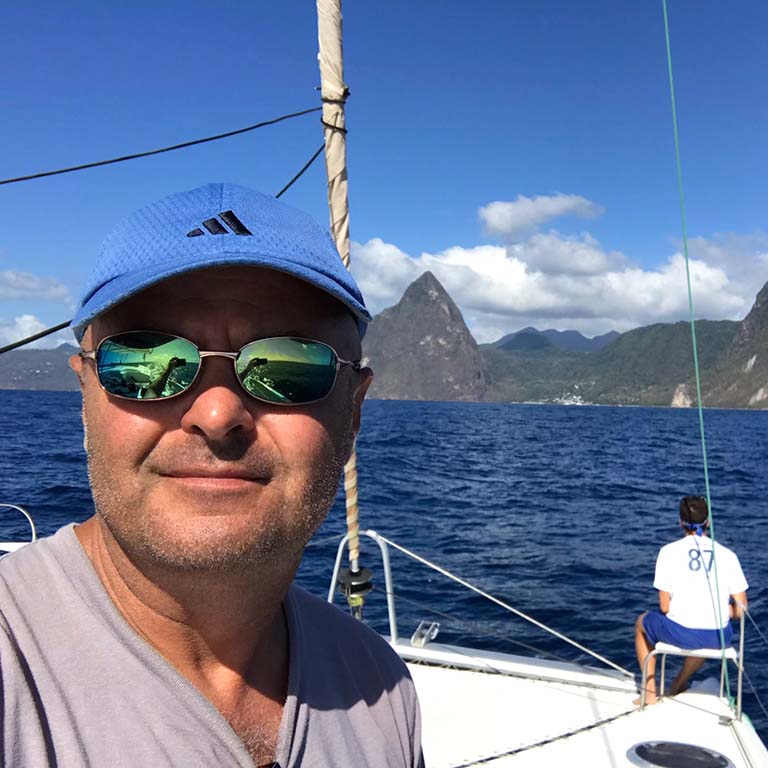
694 608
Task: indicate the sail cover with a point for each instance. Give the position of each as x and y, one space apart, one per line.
334 92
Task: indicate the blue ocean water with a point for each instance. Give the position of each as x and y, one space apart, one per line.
560 511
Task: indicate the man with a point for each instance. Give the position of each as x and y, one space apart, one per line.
221 391
701 587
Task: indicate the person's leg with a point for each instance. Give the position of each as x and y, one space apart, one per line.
643 647
691 665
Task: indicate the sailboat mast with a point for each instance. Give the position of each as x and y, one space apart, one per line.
334 94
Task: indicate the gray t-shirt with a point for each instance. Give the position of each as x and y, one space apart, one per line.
79 687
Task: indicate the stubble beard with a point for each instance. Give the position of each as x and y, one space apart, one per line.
211 546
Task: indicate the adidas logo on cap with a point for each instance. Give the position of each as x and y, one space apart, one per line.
216 227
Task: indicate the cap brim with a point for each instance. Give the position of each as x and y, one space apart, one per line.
123 287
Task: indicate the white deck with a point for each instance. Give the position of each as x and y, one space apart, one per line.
540 713
490 709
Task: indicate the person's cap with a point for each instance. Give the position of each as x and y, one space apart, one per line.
214 225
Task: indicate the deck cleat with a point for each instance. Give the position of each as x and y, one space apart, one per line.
425 633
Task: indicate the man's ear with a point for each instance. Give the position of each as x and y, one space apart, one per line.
77 364
365 380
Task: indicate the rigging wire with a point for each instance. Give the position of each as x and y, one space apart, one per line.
34 337
304 168
755 694
700 407
754 624
502 604
61 326
543 742
150 152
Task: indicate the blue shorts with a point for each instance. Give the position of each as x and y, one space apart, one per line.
659 628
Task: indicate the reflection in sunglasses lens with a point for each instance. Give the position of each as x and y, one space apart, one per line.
145 365
285 370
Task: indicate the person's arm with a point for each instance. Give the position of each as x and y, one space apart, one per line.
739 602
155 388
664 599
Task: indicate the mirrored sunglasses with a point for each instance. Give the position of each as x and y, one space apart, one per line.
149 365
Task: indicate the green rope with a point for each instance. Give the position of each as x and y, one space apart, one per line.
693 334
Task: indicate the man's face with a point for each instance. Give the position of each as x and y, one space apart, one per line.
214 479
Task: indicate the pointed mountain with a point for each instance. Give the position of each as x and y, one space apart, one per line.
753 331
421 349
740 376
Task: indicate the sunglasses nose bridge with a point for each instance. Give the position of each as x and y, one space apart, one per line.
213 353
233 356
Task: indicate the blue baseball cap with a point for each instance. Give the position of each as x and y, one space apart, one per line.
214 225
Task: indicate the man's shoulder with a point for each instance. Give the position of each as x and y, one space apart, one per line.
327 626
318 614
35 568
58 543
348 679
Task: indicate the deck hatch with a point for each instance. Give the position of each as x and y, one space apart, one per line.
672 754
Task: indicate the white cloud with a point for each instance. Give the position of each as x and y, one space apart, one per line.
25 285
27 325
743 257
553 253
511 220
552 280
731 250
383 271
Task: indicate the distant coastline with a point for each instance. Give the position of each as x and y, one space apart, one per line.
421 349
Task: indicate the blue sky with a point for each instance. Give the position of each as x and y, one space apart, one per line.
522 151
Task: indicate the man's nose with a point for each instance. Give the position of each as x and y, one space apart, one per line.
220 406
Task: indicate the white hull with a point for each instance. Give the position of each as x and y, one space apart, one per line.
529 712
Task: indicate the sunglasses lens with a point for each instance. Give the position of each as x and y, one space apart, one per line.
285 370
144 365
